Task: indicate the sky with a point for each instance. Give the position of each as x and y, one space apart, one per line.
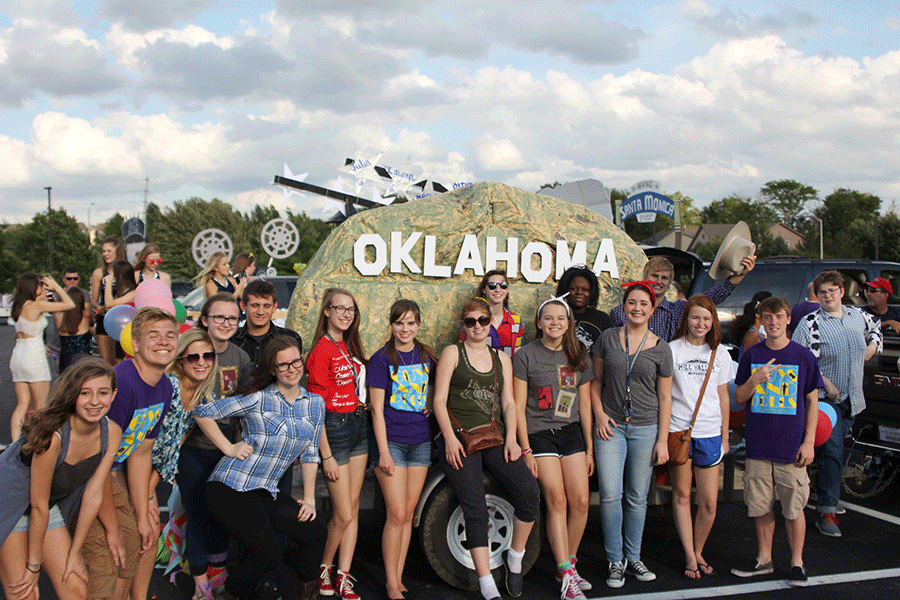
100 98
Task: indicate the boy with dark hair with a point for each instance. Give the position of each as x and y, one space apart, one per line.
120 548
781 380
259 302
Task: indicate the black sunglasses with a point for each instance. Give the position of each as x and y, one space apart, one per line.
492 285
73 278
193 359
483 320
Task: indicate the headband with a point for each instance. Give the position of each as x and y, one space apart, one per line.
646 284
559 299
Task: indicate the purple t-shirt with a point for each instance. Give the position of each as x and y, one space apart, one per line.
776 414
138 408
405 394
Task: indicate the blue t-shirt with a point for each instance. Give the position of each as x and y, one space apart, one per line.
405 394
776 414
138 408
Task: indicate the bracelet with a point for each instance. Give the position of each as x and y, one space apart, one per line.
526 451
327 457
37 564
28 568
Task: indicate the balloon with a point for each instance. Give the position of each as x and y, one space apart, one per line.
116 318
737 419
183 327
125 340
162 301
823 426
829 410
180 311
148 289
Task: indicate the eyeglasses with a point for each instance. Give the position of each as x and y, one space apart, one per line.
154 261
830 292
350 310
193 359
492 285
483 320
223 319
297 363
876 291
72 278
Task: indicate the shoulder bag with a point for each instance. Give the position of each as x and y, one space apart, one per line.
680 441
484 436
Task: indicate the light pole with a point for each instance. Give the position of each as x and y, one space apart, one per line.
821 238
50 228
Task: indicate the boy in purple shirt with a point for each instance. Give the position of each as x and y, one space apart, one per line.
780 379
120 548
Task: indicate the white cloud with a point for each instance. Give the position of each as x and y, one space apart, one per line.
73 146
492 154
14 161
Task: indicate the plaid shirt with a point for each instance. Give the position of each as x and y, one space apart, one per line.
665 319
839 343
279 432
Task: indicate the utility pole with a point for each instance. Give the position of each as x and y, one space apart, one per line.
50 228
146 214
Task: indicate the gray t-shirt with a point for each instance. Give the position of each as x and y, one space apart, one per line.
650 364
234 373
552 386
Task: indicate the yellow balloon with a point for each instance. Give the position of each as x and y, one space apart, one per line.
125 340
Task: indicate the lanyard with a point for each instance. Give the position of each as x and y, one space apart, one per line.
629 364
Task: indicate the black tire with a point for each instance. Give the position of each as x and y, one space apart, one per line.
442 528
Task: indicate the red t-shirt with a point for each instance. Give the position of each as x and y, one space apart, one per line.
332 376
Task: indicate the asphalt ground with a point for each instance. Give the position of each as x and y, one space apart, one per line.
863 564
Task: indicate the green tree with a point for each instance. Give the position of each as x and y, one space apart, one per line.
758 215
788 198
11 266
848 218
71 246
112 226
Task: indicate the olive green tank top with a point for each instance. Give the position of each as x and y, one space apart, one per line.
472 392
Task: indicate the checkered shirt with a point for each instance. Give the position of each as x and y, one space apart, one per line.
279 432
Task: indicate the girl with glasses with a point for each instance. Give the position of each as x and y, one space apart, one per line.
552 388
111 251
337 372
698 337
506 327
474 387
192 374
28 363
399 380
62 459
632 399
281 422
146 265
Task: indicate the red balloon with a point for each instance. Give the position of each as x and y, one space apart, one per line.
183 327
737 419
823 429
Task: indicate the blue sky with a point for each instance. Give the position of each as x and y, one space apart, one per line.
212 98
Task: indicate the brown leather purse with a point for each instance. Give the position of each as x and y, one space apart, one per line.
679 442
484 436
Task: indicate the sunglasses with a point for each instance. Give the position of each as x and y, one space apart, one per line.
154 261
193 359
483 320
75 278
492 285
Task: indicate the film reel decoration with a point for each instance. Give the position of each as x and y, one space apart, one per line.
209 241
279 238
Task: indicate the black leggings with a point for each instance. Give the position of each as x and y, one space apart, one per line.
254 518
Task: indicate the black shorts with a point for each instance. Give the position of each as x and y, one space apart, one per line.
559 442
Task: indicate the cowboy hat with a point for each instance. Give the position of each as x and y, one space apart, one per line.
736 245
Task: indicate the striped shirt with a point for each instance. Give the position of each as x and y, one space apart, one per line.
665 319
279 432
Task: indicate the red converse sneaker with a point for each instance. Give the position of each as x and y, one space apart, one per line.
345 586
325 586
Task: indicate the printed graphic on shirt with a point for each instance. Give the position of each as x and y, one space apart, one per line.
228 376
695 367
564 403
778 396
545 398
142 422
583 336
410 388
566 377
480 396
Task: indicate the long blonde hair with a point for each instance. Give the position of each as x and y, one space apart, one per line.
204 391
212 262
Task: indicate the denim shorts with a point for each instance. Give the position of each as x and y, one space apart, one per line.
54 521
559 442
348 434
410 455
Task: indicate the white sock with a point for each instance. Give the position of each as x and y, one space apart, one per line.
514 560
488 587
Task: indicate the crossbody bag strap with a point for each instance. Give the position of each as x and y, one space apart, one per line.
495 363
712 359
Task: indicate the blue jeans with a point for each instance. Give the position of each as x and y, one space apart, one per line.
830 460
205 540
624 467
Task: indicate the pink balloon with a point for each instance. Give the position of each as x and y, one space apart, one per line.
148 289
161 301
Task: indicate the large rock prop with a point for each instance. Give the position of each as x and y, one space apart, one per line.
485 210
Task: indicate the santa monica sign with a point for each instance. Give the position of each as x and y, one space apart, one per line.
536 261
